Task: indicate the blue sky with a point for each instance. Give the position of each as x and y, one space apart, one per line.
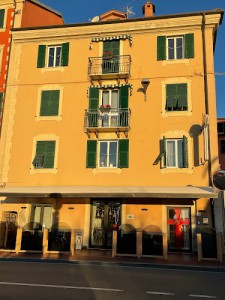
76 11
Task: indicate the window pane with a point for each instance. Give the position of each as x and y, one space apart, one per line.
114 100
51 57
103 154
58 56
170 151
170 48
47 217
37 214
113 154
105 97
179 46
180 154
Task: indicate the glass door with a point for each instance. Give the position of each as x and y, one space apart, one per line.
179 229
105 216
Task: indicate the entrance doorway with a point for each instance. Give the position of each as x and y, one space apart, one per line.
179 229
105 215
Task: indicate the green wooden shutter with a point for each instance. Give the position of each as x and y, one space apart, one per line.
123 154
49 155
189 45
65 54
47 148
41 56
2 15
185 151
123 105
91 154
161 48
93 107
162 152
49 103
182 96
171 96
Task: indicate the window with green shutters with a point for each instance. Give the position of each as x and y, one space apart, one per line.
107 154
174 153
45 155
175 47
49 103
53 55
176 97
2 17
118 113
111 52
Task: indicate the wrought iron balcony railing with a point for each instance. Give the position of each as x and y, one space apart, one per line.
114 118
100 66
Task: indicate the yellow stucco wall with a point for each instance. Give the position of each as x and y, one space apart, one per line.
149 121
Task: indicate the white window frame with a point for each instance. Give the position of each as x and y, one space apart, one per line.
175 48
54 58
42 206
107 163
176 152
110 114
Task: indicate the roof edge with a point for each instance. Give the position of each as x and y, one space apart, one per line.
46 7
190 14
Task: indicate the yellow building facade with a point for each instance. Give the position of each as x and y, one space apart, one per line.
111 125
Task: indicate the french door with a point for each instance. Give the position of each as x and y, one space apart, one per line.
105 215
179 229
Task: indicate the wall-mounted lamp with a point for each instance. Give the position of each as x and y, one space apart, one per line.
145 83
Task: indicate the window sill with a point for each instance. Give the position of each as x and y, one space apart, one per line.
175 61
187 113
176 170
52 69
48 118
43 171
107 170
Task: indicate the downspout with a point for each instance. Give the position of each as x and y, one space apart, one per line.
207 112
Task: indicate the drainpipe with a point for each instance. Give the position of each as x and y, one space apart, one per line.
207 111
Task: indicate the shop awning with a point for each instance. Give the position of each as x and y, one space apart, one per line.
190 192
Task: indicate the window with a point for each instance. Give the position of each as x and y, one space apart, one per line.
174 152
45 155
115 99
108 154
175 47
2 16
222 146
220 128
53 55
111 52
176 97
41 216
49 103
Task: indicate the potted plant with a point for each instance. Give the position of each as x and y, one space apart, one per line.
105 107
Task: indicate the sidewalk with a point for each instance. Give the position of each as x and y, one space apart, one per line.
175 261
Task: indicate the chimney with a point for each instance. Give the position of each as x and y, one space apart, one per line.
148 9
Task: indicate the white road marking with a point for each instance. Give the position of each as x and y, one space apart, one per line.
60 286
160 293
203 296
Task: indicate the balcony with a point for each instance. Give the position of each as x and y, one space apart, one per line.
109 67
113 120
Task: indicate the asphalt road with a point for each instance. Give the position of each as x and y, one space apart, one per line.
86 280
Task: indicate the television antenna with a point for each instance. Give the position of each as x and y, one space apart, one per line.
128 9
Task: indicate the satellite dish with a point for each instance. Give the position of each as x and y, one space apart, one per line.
95 19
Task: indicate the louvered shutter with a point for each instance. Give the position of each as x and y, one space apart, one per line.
41 56
93 107
189 45
91 154
123 105
123 154
65 54
161 48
